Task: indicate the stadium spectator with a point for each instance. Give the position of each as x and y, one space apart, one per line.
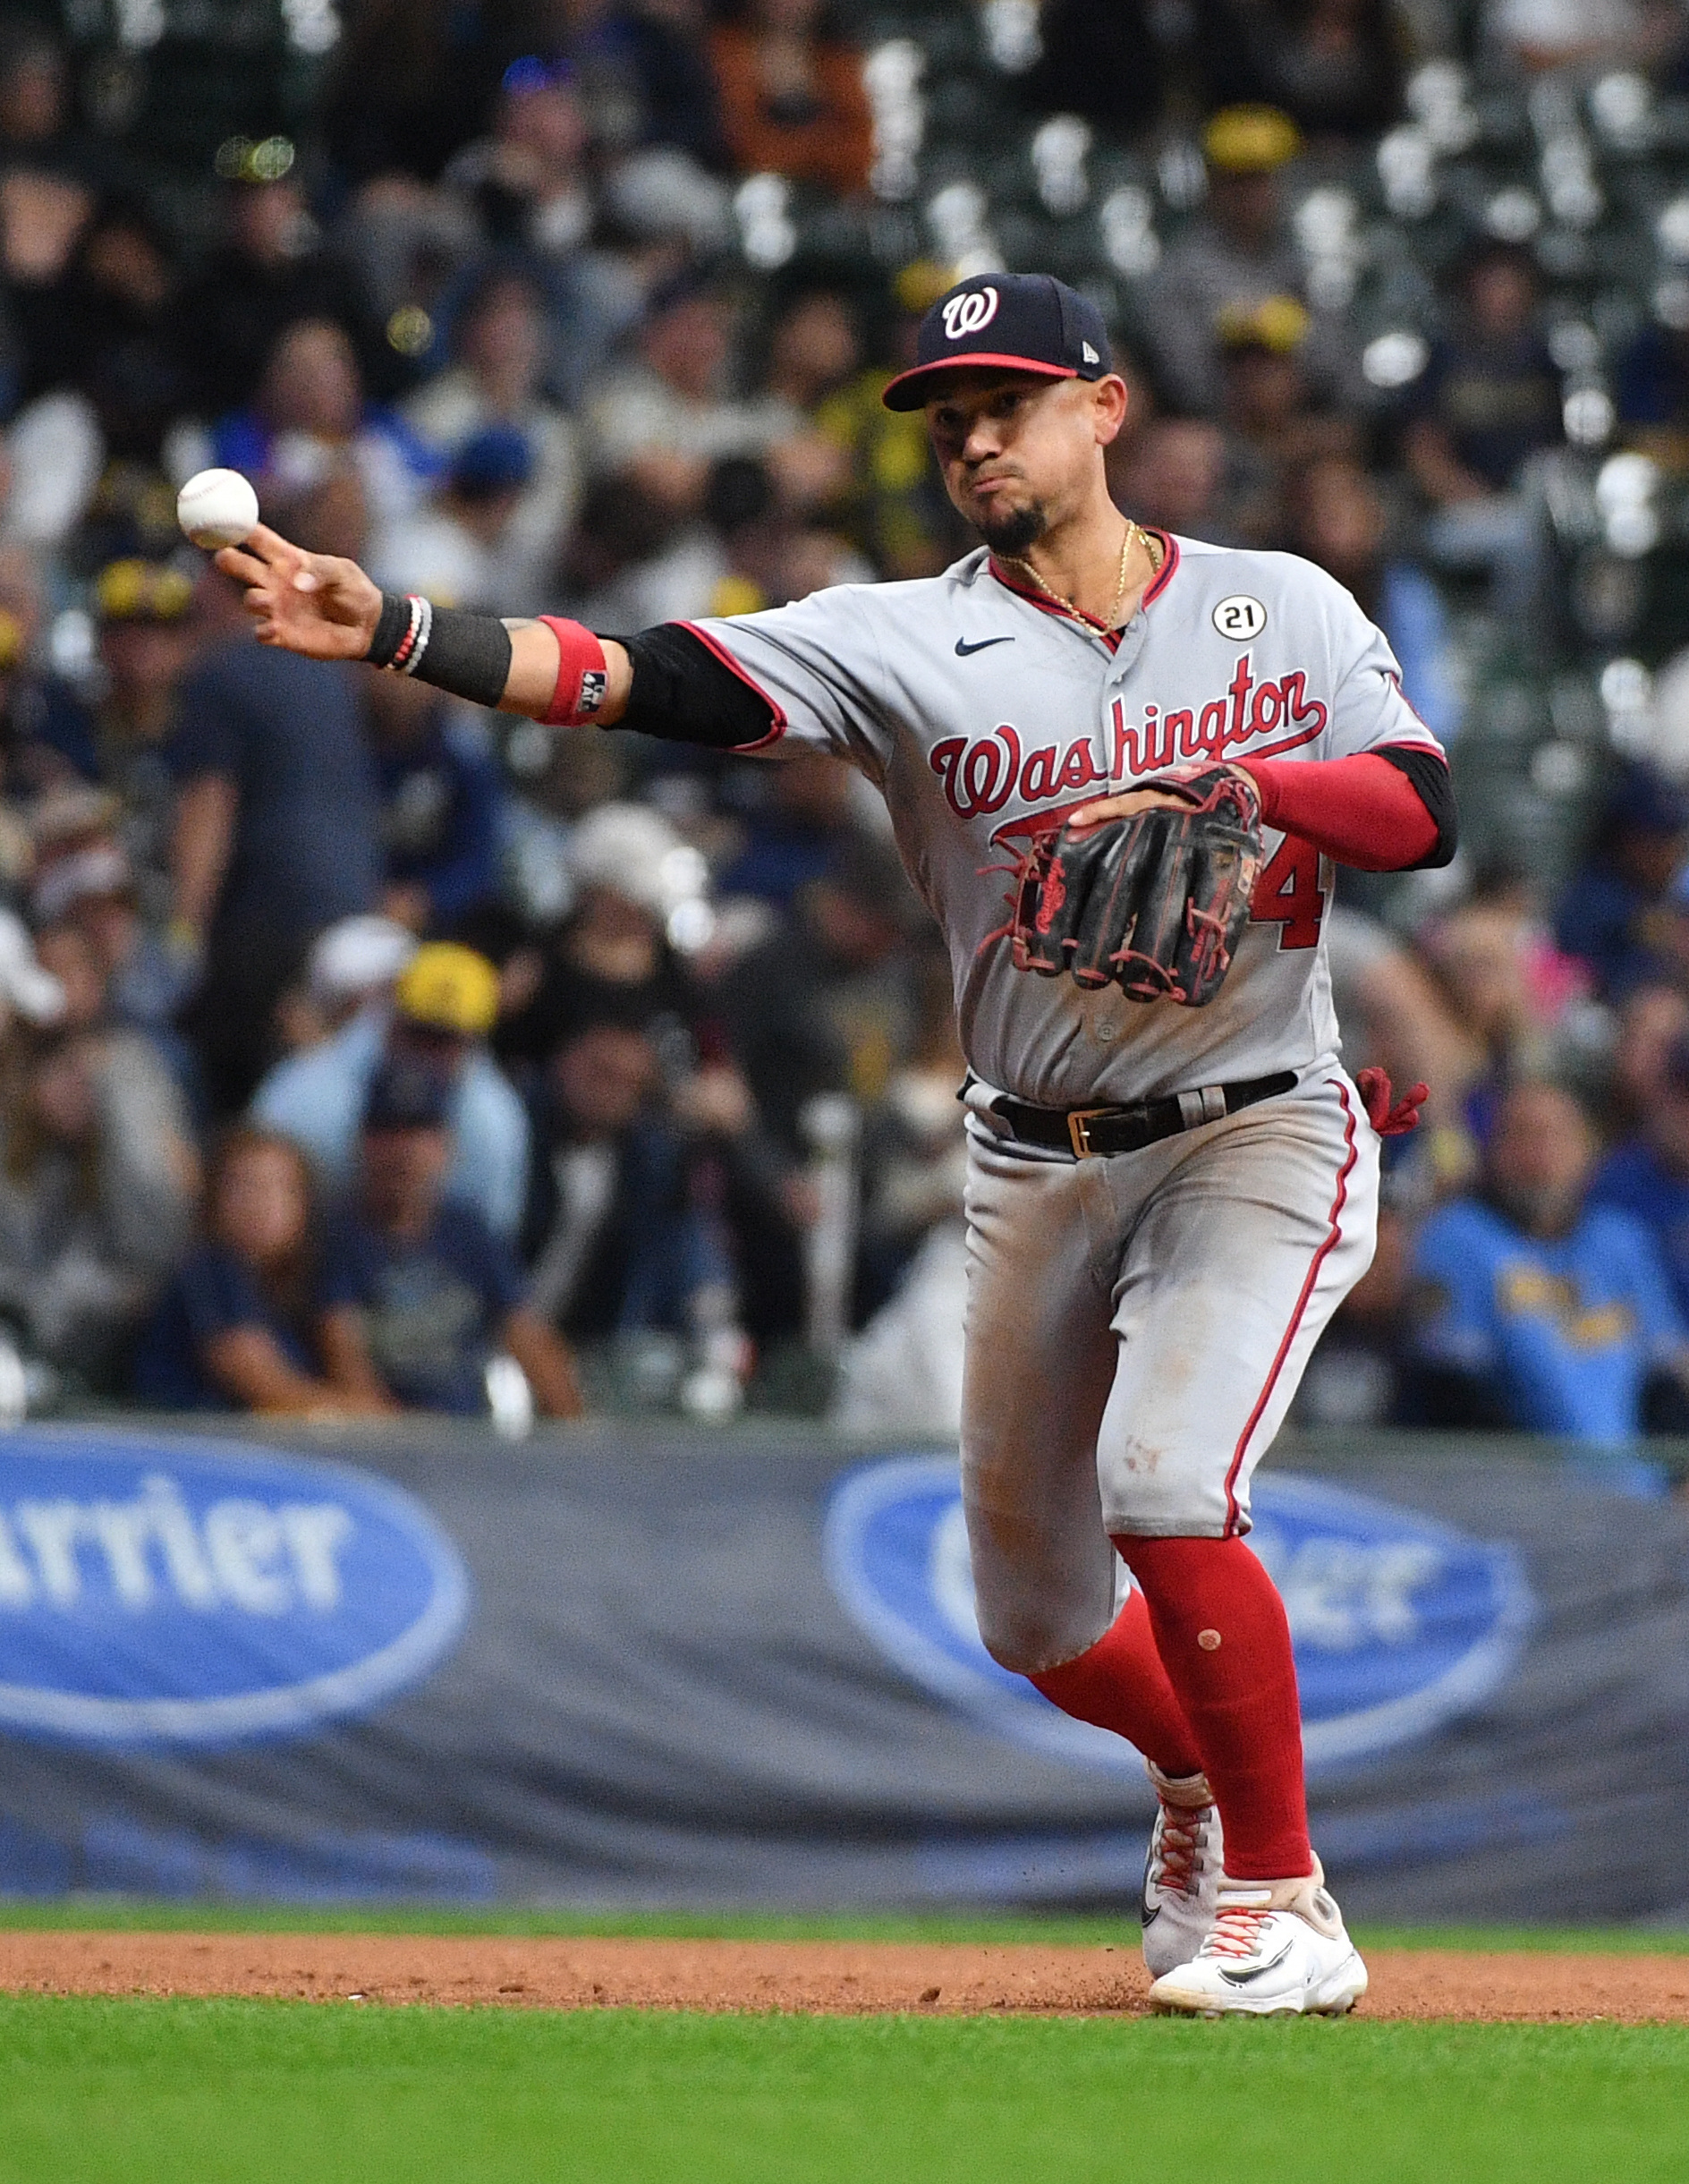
1237 253
792 96
37 125
1651 1021
527 179
1272 431
96 1197
611 954
412 83
444 1005
461 549
501 343
276 835
645 73
310 423
829 1003
814 351
1172 476
1535 1309
108 328
1647 1176
1543 34
665 418
43 725
1488 398
1109 64
355 963
50 175
1339 518
1619 914
1333 65
29 994
441 805
797 815
620 1236
417 1293
271 271
234 1329
1507 985
1651 388
149 636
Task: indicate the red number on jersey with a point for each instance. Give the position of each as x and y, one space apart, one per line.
1288 894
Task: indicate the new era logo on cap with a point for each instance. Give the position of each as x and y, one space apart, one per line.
1012 321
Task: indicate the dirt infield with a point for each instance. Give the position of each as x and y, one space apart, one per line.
833 1977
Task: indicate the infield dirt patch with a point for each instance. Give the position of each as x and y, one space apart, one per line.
841 1979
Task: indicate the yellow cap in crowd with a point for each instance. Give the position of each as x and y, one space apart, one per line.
137 591
1276 323
1250 139
447 987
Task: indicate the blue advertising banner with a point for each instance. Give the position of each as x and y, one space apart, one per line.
637 1665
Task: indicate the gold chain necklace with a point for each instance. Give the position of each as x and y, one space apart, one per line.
1134 530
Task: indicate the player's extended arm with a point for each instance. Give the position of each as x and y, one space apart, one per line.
326 607
552 670
1377 811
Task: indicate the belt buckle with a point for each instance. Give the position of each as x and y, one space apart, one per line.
1079 1122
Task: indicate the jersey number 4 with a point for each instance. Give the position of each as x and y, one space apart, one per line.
1288 894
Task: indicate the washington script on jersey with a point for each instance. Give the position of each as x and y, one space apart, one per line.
981 775
1400 1623
162 1592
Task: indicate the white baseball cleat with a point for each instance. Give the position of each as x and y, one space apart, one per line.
1277 1948
1182 1871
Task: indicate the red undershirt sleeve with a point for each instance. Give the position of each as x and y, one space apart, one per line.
1361 811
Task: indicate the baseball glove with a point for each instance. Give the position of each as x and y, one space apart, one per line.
1155 904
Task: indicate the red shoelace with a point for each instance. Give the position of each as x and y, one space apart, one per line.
1182 1845
1236 1931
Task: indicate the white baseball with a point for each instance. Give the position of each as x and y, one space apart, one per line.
217 507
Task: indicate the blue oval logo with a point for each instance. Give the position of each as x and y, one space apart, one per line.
1399 1622
183 1592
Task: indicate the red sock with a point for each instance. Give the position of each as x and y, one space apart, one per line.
1120 1684
1238 1692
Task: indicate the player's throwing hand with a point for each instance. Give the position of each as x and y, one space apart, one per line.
316 604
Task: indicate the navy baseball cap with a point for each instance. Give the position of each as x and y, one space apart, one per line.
497 459
406 1095
1012 321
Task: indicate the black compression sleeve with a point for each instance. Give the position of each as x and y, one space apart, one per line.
467 655
1430 776
683 694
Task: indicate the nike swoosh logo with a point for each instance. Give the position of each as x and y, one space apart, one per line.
1258 1971
964 649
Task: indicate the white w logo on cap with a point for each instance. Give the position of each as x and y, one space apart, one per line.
966 314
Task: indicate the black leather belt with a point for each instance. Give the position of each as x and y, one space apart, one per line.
1091 1132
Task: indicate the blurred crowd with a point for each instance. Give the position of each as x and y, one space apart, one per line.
362 1051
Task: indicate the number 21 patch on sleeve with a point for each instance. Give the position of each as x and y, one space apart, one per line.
1240 617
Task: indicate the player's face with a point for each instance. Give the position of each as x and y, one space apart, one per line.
1019 452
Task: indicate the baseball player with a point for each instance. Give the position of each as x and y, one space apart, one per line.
1166 1201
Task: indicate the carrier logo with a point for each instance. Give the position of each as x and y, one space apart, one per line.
1399 1623
966 314
189 1593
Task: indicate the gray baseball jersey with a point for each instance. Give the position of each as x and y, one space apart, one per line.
981 711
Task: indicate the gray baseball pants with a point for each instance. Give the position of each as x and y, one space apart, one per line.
1137 1326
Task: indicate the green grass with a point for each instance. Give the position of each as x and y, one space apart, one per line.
232 2093
130 1914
